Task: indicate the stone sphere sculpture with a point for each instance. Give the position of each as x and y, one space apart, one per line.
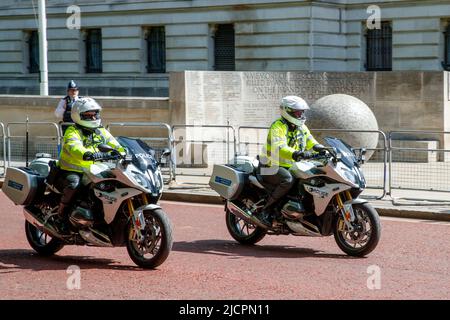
341 111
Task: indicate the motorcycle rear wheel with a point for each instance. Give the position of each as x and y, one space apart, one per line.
41 242
243 232
363 240
155 248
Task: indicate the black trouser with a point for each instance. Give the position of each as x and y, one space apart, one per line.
282 180
69 183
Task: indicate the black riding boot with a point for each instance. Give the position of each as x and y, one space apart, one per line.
266 214
63 215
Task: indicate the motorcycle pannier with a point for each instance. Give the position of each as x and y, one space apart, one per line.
227 181
21 185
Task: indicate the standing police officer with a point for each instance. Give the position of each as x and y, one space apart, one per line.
64 108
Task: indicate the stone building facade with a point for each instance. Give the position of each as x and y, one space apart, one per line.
128 47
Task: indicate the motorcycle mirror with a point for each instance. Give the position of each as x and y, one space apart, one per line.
105 148
166 152
362 155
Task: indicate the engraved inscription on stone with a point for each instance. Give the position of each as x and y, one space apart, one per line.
252 98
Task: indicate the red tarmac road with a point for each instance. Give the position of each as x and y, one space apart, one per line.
206 263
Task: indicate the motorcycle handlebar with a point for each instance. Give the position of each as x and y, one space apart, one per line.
330 153
108 157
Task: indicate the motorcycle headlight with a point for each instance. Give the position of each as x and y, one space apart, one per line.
142 180
350 176
355 177
157 178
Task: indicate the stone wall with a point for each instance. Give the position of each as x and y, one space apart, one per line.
271 35
41 109
399 100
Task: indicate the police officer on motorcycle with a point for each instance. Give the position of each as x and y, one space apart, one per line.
80 150
289 140
64 108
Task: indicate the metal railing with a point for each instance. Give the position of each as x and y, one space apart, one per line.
3 145
410 162
419 164
169 141
371 169
25 153
197 163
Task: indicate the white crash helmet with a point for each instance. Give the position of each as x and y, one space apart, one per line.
293 110
80 113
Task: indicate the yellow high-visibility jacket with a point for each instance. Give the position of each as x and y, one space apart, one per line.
282 142
76 144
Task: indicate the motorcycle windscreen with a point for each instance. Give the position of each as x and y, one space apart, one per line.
143 156
346 151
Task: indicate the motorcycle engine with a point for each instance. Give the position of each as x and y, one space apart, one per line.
293 210
81 217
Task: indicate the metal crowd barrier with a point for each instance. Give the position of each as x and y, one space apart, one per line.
3 147
375 172
419 167
168 141
196 155
39 148
409 162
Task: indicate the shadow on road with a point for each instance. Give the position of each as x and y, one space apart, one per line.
236 250
19 259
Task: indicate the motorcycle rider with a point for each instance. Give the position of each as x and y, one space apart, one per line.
64 108
289 140
80 150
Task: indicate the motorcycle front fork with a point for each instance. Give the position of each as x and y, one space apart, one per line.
346 210
137 219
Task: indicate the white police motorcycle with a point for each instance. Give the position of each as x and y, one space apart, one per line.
117 205
324 201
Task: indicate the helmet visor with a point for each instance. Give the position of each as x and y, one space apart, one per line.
297 114
90 115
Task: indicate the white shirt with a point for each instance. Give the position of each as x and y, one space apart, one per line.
61 108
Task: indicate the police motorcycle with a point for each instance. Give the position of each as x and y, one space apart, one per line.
323 202
116 206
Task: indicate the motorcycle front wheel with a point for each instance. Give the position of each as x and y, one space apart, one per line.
41 242
154 249
366 234
242 231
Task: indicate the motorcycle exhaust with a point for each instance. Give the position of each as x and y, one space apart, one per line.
238 212
90 237
300 230
41 225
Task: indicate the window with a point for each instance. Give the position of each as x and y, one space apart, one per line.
94 51
33 52
379 48
156 50
446 63
224 48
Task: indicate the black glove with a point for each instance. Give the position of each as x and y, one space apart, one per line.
299 155
95 156
116 154
318 147
321 149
